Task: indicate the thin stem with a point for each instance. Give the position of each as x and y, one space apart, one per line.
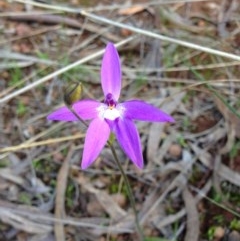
129 192
75 113
129 189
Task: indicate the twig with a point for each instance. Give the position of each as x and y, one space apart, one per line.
40 143
47 18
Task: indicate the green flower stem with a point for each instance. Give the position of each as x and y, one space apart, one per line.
129 192
75 113
129 189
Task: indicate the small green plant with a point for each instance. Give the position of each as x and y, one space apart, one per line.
3 163
36 163
141 80
113 188
156 239
235 224
181 141
186 122
219 219
235 149
69 195
65 151
42 55
16 76
21 108
24 198
53 183
210 233
217 197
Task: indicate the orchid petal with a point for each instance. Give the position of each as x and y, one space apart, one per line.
140 110
86 109
111 72
62 114
96 137
129 140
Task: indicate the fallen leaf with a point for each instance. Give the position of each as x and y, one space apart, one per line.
131 10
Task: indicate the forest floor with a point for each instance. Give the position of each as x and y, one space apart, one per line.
183 56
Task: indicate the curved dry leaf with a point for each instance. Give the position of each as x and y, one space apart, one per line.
24 224
156 129
193 224
153 141
8 174
131 10
107 202
229 175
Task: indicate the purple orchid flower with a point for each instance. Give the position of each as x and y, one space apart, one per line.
111 116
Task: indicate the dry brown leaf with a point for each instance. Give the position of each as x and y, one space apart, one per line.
156 129
120 199
131 10
22 29
94 208
229 175
161 152
216 177
107 202
193 225
22 223
60 197
153 141
8 174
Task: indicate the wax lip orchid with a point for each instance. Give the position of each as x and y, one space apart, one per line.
110 116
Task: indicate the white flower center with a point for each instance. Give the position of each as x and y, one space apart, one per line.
110 113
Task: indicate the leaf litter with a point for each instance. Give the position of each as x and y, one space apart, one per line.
191 173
